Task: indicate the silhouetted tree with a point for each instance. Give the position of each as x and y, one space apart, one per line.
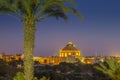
30 12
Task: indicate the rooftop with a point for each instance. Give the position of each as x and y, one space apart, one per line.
70 46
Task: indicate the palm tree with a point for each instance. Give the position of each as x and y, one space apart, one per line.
30 12
111 67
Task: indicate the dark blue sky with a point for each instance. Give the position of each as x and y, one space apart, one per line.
98 32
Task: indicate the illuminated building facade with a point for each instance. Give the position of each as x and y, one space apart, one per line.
69 50
50 60
9 58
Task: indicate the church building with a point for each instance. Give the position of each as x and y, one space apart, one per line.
69 50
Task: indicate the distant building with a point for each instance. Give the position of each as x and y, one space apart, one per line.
50 60
9 58
69 50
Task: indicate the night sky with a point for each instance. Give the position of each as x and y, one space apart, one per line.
98 32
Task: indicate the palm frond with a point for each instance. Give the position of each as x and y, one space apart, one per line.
39 9
58 7
109 67
7 6
57 13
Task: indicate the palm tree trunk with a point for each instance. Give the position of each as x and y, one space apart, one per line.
29 37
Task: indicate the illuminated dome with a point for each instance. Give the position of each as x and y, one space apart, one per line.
69 50
70 46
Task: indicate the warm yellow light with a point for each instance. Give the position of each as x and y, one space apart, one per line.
65 54
69 53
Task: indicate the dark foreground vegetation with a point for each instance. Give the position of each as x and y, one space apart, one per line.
69 71
8 70
63 71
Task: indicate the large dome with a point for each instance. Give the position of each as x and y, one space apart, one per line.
70 46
